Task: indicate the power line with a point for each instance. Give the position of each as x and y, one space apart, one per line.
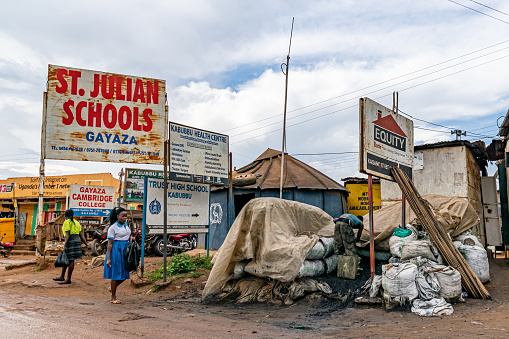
475 10
417 85
387 87
322 153
493 9
380 83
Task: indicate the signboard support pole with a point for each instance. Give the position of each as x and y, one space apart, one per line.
165 210
230 196
41 240
40 206
143 226
208 240
371 228
403 210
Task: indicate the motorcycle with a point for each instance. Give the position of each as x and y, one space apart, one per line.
5 247
176 243
99 243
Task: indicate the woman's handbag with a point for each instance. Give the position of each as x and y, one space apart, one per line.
132 256
62 260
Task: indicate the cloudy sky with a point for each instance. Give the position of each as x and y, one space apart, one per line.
222 64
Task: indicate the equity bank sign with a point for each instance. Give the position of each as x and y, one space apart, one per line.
386 140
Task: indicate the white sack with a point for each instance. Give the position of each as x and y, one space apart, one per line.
331 263
398 280
312 268
431 308
450 283
477 259
416 248
468 235
328 244
396 243
317 252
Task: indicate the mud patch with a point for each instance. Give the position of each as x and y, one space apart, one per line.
134 316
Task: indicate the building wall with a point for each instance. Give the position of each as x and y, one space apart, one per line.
444 172
448 171
332 202
56 188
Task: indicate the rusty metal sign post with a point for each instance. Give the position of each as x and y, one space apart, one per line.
386 140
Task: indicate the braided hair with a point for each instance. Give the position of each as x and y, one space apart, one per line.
114 214
69 214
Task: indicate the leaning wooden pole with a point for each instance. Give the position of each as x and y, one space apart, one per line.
439 237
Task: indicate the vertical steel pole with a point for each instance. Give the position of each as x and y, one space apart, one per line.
403 210
143 226
371 228
284 117
230 195
165 210
41 240
284 131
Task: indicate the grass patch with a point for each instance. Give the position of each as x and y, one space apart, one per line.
156 288
182 266
202 261
9 267
38 268
197 274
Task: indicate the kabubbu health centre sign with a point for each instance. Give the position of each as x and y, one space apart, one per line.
386 140
98 116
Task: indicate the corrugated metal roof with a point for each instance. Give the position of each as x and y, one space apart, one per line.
297 174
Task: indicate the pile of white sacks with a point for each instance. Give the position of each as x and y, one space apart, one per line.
320 259
416 273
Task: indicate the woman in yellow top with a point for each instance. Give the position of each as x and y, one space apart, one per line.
72 246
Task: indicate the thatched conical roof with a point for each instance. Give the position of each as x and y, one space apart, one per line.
297 174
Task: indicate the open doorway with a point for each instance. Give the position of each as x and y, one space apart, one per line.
240 200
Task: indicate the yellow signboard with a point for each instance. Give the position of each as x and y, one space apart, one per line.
358 203
54 186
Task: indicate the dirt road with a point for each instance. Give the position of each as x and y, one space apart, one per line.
33 306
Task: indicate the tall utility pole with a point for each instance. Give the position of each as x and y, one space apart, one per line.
284 117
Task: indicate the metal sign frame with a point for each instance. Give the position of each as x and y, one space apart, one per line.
386 140
198 155
105 117
140 177
178 225
101 200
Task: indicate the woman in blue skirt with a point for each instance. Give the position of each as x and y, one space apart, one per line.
118 238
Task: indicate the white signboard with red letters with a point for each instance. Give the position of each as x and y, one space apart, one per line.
94 201
386 140
97 116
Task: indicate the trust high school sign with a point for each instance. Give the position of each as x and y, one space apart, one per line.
386 140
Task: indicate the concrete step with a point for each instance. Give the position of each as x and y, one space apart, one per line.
22 252
25 242
24 247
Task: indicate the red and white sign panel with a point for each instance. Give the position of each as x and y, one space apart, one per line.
97 116
386 140
94 201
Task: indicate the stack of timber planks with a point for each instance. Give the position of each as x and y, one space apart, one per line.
439 237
